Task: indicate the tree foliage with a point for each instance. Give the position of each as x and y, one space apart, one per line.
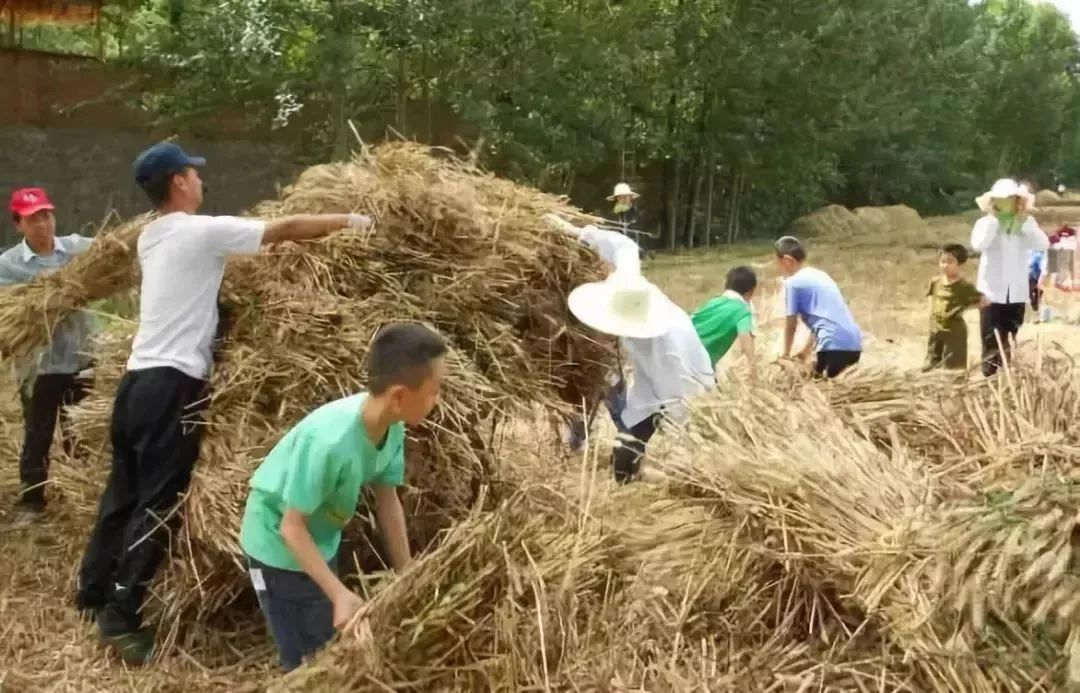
731 116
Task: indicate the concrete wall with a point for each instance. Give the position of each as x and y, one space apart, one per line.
87 173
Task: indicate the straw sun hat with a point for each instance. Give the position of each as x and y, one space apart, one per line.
625 305
1002 190
622 189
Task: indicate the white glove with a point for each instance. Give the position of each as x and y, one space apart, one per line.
359 222
560 224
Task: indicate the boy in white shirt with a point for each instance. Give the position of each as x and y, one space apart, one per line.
157 416
1004 237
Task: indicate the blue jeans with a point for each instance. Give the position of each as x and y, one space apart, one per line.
300 616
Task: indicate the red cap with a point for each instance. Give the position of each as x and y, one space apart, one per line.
27 201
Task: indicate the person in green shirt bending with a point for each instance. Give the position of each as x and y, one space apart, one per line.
308 487
727 318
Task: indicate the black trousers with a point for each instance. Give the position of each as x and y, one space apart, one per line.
156 431
830 364
999 321
50 394
300 616
626 458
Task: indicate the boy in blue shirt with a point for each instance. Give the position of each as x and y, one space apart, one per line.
813 296
308 487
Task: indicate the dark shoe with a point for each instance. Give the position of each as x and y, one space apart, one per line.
135 648
122 633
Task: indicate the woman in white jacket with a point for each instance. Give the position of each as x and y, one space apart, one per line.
1004 238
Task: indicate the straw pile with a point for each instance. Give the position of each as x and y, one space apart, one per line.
791 550
30 312
453 248
833 221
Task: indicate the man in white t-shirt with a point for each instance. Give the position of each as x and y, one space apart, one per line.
157 417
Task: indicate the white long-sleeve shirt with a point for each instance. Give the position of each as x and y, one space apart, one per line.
1003 265
613 247
667 371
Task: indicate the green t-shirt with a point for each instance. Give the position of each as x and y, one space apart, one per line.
720 321
319 469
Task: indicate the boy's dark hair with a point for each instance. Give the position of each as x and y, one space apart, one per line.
157 189
791 247
741 280
957 251
401 354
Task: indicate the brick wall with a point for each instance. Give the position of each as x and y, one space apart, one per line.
87 173
66 126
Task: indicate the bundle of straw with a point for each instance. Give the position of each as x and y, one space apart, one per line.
30 312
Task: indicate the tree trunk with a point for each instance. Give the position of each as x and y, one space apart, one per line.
427 96
695 196
733 208
402 91
338 67
673 205
710 186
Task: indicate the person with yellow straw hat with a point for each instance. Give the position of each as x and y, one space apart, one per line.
1004 237
668 361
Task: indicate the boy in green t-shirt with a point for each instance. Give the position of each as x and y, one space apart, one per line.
727 318
308 487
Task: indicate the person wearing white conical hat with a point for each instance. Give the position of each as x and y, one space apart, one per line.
610 246
624 198
1005 236
669 363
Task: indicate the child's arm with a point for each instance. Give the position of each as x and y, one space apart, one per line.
790 325
391 517
295 533
746 343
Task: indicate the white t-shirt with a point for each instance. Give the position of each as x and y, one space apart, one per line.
182 258
667 371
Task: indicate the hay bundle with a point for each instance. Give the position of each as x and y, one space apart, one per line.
1047 198
500 601
871 530
454 248
902 217
833 221
872 220
30 312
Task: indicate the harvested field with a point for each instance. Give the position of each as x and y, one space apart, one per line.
892 531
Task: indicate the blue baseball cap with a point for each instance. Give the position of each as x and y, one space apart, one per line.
162 160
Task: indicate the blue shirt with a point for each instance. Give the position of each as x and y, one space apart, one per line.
1036 265
814 296
68 352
